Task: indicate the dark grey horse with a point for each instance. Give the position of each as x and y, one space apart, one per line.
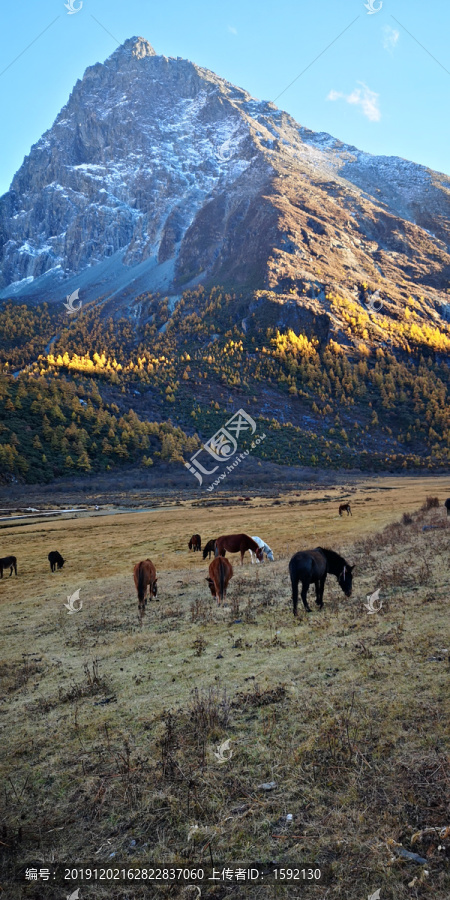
8 562
447 506
210 547
312 567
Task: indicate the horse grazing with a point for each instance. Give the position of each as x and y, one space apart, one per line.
264 547
312 567
55 559
237 543
220 572
195 542
145 577
447 506
209 548
345 507
8 562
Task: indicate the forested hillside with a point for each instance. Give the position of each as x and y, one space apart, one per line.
90 392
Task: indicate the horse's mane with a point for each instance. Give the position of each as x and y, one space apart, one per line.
333 557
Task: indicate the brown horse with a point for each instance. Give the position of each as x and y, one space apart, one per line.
145 577
209 548
220 572
8 562
237 543
195 542
345 507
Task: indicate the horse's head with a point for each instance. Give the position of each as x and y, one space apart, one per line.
345 580
60 565
155 588
212 586
260 554
270 555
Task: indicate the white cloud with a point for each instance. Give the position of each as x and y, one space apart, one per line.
390 38
232 30
363 97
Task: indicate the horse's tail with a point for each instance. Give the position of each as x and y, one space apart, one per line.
221 579
141 583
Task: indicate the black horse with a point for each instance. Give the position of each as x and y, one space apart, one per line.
8 562
210 547
312 567
55 559
447 506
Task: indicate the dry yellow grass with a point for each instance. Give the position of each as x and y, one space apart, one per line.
345 711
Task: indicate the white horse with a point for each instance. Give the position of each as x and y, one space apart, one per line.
264 547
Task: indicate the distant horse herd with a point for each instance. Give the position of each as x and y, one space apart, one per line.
306 567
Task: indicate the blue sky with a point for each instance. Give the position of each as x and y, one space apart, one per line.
374 87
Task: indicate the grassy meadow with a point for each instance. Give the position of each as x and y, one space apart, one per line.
109 729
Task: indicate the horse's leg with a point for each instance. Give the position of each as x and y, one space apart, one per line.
305 586
294 595
317 589
321 589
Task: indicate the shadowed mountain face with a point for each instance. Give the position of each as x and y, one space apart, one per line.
158 175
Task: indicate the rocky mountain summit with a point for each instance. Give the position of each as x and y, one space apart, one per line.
158 175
